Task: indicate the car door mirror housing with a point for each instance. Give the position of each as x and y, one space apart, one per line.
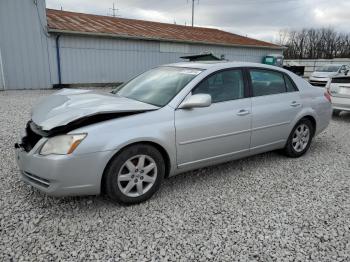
198 100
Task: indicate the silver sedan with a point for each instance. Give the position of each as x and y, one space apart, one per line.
168 120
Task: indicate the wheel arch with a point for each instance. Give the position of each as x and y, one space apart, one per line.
307 113
159 147
312 120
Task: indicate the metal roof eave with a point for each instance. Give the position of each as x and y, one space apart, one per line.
68 32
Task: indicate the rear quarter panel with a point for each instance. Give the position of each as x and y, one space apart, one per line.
314 103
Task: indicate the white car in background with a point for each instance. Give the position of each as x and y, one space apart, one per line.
323 74
339 89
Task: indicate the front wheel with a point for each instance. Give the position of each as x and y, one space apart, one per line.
299 140
134 174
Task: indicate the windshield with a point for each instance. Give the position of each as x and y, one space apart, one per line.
158 86
330 68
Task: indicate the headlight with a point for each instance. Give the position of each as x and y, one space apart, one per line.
62 145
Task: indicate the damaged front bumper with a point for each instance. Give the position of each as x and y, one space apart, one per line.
62 175
59 175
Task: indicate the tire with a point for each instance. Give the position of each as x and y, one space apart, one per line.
292 149
125 175
336 112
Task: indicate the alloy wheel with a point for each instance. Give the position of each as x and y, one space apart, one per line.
301 138
137 175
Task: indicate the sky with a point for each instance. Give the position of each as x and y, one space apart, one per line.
260 19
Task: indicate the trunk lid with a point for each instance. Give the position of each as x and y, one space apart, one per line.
340 87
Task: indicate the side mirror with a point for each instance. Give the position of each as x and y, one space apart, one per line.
199 100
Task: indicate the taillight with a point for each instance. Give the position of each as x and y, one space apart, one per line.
327 96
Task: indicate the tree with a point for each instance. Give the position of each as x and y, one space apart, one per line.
311 43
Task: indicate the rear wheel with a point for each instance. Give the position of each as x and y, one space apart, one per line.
135 174
300 139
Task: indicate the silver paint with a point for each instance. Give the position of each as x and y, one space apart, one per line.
192 138
68 105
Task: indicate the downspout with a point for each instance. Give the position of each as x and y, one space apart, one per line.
2 74
58 54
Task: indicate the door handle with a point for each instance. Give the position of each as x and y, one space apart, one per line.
243 112
295 104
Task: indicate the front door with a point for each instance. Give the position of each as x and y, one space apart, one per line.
219 131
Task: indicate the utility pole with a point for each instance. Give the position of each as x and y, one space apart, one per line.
193 11
114 10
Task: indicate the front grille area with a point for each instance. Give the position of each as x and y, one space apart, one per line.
31 138
37 180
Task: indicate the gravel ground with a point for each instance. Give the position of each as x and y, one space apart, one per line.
263 208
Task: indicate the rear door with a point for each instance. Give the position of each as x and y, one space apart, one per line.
275 104
219 131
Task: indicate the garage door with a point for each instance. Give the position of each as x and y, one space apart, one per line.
2 76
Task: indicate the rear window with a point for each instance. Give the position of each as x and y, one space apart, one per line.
290 85
328 69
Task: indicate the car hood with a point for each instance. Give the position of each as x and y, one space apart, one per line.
69 105
323 74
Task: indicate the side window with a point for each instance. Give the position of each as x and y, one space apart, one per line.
266 82
290 85
222 86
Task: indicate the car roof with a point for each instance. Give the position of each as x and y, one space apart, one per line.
221 65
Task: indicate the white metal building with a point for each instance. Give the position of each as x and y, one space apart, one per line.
41 48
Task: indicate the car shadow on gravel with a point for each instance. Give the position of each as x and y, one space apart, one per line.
174 186
344 116
185 183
